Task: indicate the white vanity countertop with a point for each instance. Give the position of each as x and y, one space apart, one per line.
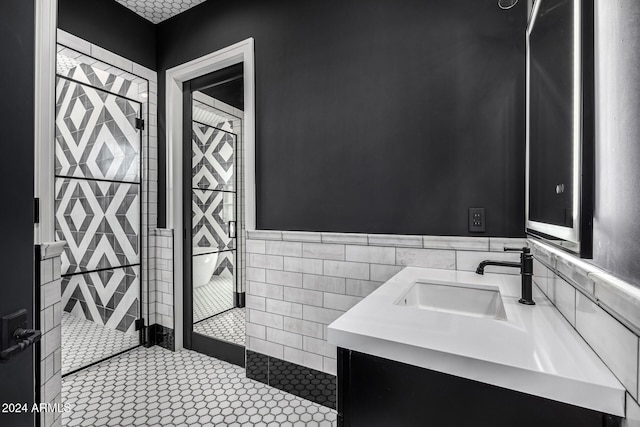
534 351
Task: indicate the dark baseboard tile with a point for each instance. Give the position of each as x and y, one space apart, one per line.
257 366
161 336
307 383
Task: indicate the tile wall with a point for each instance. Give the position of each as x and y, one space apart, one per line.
75 51
602 308
98 191
161 285
212 109
214 161
299 282
157 284
50 325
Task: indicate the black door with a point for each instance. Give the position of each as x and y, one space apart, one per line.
17 50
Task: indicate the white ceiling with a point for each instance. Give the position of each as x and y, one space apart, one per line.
159 10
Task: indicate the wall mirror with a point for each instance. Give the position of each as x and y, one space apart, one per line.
559 184
213 137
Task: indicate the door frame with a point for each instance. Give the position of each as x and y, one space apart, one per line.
45 86
46 20
241 52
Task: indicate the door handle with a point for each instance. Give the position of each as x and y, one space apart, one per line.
231 236
26 338
14 335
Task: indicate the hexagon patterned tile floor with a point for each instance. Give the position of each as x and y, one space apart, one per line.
212 298
158 387
227 326
85 342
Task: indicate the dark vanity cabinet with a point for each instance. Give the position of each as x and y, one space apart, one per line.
373 391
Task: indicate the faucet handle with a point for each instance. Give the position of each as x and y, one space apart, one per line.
524 250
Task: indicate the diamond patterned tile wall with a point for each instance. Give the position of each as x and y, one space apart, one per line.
100 223
213 170
214 196
225 267
210 224
106 297
97 189
213 158
96 135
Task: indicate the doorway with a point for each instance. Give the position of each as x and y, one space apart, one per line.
239 53
213 137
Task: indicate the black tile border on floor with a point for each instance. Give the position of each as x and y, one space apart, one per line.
316 386
257 366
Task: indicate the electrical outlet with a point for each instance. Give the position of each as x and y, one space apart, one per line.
476 220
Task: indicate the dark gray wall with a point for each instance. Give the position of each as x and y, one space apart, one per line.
375 116
617 208
112 26
226 85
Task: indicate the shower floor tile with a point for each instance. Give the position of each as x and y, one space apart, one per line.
154 386
212 298
85 342
228 326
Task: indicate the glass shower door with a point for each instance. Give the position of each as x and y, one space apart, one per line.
97 212
214 229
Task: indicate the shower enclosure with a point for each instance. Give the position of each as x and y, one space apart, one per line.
98 191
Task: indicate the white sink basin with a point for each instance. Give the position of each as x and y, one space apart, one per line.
457 298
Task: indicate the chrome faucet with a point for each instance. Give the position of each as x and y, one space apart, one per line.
526 271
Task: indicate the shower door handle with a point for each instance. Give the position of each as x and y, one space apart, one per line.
229 228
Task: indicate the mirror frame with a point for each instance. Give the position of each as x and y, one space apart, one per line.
579 238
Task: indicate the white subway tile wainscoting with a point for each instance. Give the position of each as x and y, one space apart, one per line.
600 307
51 328
299 282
